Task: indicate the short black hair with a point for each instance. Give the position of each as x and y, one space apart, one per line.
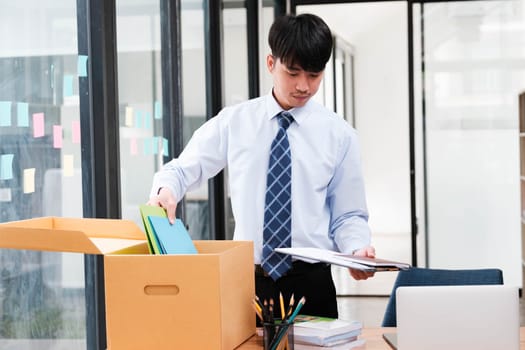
305 40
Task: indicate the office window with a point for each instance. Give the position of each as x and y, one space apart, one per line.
41 293
142 145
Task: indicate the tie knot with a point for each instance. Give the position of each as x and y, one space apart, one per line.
284 119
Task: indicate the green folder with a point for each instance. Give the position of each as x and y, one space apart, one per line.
150 210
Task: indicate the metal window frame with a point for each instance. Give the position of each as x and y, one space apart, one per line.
214 103
171 66
99 118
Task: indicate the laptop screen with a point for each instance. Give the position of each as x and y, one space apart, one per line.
458 317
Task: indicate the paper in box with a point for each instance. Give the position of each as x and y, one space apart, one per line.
200 301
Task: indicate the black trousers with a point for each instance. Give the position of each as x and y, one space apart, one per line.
313 281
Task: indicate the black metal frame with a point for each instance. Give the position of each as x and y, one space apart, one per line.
213 52
252 29
411 132
172 108
99 112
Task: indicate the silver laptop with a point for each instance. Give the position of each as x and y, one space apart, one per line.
457 317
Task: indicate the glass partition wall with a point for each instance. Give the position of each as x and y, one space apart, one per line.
48 169
473 53
42 294
456 198
142 142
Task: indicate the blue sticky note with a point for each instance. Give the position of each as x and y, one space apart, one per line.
165 150
68 85
22 112
82 65
138 119
158 110
147 146
155 145
6 166
147 120
174 239
5 113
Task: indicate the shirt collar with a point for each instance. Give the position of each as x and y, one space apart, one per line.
299 114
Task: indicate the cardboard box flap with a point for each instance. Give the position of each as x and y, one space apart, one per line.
90 236
103 228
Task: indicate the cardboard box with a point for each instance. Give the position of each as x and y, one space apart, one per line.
201 301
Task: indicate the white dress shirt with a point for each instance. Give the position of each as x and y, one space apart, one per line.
328 196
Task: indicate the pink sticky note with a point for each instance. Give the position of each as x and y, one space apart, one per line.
38 124
75 125
57 136
133 146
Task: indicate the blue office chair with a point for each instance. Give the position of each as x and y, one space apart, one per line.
435 277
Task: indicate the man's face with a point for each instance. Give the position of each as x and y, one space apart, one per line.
292 86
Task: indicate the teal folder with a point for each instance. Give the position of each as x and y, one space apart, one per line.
173 239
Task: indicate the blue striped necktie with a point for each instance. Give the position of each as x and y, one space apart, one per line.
278 204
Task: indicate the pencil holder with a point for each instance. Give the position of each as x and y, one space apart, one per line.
278 335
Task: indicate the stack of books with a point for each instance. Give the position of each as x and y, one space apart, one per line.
321 333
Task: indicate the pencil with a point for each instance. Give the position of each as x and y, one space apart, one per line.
297 309
271 310
258 311
290 306
258 301
283 318
284 329
281 301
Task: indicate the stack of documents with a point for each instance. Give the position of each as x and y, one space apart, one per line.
351 261
312 332
164 237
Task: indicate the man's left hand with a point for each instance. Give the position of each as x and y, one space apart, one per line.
369 252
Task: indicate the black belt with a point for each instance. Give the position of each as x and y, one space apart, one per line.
298 267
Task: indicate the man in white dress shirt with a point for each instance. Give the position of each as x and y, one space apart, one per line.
328 203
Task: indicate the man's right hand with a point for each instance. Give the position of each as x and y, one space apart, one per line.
166 200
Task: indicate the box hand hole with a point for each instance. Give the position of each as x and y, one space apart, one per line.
161 290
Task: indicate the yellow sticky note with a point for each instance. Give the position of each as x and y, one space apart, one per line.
67 167
129 117
29 180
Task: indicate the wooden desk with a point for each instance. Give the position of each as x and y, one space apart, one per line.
373 336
